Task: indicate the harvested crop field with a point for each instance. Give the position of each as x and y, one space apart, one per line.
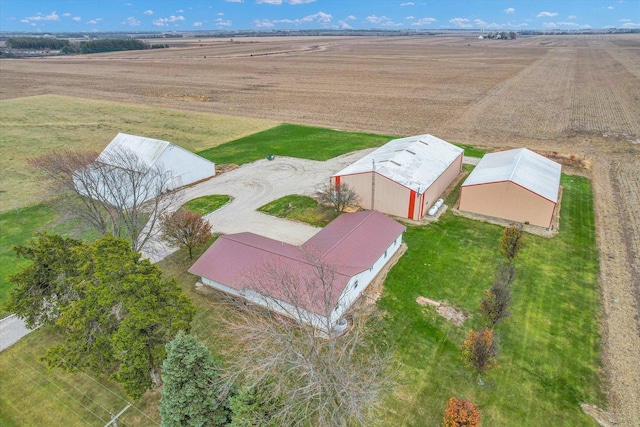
576 94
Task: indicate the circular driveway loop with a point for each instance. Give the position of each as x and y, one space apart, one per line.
254 185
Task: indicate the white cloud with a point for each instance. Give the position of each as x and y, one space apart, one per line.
53 16
299 1
131 21
382 21
546 14
631 25
610 8
320 18
148 12
480 23
234 1
624 20
343 25
509 10
373 19
222 22
572 17
350 18
269 1
94 21
76 18
461 23
220 14
264 23
423 21
409 3
179 11
163 22
197 24
66 14
410 18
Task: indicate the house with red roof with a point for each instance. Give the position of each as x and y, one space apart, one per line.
315 282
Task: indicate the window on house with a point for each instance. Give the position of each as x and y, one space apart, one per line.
355 285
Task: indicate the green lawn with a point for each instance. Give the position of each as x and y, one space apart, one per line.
206 204
16 228
550 357
294 141
470 150
300 208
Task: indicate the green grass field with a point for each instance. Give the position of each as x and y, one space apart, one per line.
300 208
32 126
550 349
294 141
17 226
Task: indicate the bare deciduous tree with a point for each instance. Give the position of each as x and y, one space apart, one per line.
339 197
496 300
185 228
317 377
116 193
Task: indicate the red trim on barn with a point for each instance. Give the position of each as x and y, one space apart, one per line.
412 204
337 183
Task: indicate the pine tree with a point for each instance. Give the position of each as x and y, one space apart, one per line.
192 395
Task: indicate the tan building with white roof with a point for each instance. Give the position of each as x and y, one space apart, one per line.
517 185
404 177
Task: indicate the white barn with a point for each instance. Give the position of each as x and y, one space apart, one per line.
133 169
185 167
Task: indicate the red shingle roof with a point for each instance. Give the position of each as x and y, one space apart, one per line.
349 245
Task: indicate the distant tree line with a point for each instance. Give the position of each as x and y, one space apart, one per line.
106 45
37 43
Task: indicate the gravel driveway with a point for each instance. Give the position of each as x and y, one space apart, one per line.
255 184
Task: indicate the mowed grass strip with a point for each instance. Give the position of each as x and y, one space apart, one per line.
305 142
32 126
206 204
550 348
300 208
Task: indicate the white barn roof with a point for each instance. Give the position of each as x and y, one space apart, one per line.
415 162
148 150
521 166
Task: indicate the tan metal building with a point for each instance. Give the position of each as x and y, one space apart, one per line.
405 176
517 185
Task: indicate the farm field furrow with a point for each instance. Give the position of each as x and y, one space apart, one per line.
605 97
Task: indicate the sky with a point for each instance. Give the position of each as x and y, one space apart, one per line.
48 16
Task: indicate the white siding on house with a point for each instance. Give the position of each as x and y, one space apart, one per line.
352 292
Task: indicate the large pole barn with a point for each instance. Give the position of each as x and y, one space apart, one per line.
517 185
405 176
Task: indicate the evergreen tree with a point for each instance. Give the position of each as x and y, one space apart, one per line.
192 394
114 311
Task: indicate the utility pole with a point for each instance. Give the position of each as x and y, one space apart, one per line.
114 419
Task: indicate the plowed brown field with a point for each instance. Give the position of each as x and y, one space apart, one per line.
571 94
